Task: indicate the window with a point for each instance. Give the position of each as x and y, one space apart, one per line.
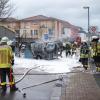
34 32
17 31
50 31
24 31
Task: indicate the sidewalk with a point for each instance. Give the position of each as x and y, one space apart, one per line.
82 86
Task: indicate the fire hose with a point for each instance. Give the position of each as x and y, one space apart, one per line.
46 82
21 90
24 75
24 94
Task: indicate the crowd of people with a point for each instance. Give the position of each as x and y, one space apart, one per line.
88 50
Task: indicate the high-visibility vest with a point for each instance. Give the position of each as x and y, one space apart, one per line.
96 49
84 52
6 56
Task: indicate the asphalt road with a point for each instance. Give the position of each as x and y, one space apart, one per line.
41 92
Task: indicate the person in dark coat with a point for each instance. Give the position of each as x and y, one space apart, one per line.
84 55
95 44
68 49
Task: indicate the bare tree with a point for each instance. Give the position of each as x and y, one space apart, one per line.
6 8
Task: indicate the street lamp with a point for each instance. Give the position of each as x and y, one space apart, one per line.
88 8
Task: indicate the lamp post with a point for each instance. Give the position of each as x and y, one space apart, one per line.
88 8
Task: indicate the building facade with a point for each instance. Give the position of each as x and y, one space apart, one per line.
41 27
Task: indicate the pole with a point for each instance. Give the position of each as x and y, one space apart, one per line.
88 24
88 8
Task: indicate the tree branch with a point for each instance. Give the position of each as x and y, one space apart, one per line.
6 9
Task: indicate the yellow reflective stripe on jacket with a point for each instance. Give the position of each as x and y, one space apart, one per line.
5 65
84 55
3 83
5 56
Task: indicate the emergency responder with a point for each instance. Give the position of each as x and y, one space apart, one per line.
74 47
68 49
6 56
84 54
95 44
12 44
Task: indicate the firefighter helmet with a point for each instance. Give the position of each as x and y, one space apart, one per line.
4 39
95 38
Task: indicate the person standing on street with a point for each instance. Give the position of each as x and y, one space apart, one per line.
84 54
74 47
6 57
68 49
95 44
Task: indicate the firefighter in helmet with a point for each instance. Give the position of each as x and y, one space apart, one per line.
6 56
95 44
68 49
74 47
84 54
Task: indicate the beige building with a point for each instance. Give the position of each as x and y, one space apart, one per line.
46 28
10 23
41 27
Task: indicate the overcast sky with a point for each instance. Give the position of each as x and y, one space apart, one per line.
69 10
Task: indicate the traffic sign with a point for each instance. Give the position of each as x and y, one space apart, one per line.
93 29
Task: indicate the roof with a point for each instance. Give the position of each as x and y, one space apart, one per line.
44 18
41 17
7 28
10 19
35 18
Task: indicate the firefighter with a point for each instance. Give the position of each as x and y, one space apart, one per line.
95 44
6 56
74 47
84 54
12 44
68 49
